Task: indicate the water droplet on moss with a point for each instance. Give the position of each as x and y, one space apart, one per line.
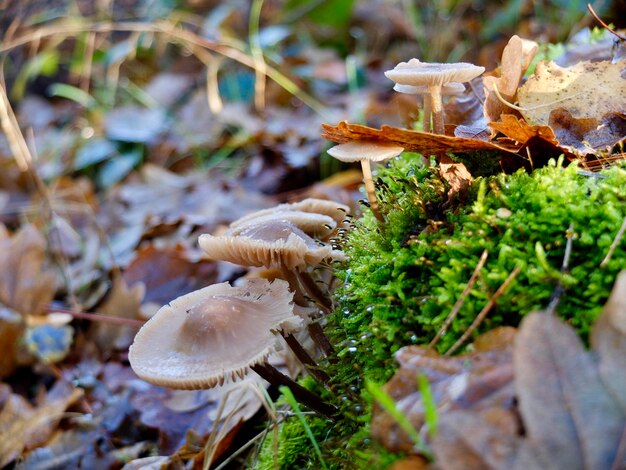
369 308
352 349
346 312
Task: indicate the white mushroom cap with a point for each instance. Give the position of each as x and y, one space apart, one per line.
362 150
272 243
213 334
449 89
417 73
316 225
332 209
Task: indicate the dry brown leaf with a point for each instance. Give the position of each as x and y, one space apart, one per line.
570 419
122 302
11 329
516 58
608 339
455 174
23 426
587 136
476 440
585 90
519 131
473 381
27 287
168 273
422 142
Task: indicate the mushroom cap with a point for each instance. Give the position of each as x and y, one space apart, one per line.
363 150
332 209
213 334
314 224
417 73
449 89
271 243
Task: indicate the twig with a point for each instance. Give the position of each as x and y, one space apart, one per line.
483 313
459 303
560 289
98 317
616 240
604 25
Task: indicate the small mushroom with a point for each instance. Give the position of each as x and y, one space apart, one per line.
335 210
434 76
366 152
281 245
273 244
449 89
218 334
311 223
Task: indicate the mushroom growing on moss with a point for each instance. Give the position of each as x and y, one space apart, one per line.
217 334
433 76
366 152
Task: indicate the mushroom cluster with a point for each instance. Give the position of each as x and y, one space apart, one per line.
220 332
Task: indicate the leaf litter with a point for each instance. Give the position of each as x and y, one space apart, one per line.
146 154
543 401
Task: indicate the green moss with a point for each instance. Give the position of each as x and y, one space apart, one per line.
401 282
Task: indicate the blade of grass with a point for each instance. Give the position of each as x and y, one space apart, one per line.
430 408
296 408
389 405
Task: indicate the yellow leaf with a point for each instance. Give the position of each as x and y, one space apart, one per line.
585 90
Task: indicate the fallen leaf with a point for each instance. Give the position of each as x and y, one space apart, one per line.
23 426
27 287
168 273
473 381
135 124
521 132
422 142
484 439
608 339
585 90
570 419
516 58
123 301
455 174
587 136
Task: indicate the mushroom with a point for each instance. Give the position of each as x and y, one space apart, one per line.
335 210
311 223
218 334
366 152
277 244
433 76
449 89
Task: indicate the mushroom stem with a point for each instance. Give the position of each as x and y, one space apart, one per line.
320 339
304 396
294 279
370 190
306 359
313 290
437 109
427 114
